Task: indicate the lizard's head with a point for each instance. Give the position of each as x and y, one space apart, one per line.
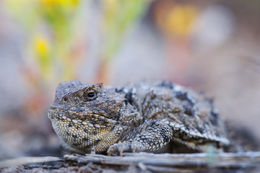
83 114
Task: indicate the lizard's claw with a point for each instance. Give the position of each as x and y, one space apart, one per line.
118 148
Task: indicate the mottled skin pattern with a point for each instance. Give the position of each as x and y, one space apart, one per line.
136 117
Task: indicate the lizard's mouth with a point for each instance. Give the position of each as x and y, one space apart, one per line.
83 117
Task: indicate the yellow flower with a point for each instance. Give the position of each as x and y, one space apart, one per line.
41 46
177 19
75 2
52 2
65 3
181 19
43 57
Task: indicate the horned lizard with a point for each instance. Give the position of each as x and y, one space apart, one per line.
153 117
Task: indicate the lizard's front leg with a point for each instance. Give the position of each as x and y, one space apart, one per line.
153 136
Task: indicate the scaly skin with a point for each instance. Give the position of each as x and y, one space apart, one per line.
136 117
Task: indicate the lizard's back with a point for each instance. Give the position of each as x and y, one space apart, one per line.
195 121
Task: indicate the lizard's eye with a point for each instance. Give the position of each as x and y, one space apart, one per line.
90 95
65 99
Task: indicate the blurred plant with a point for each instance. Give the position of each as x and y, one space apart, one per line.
53 52
50 24
51 55
42 51
118 15
58 16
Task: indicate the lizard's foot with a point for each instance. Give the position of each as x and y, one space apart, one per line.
119 148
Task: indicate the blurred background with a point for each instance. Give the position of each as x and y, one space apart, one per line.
210 46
